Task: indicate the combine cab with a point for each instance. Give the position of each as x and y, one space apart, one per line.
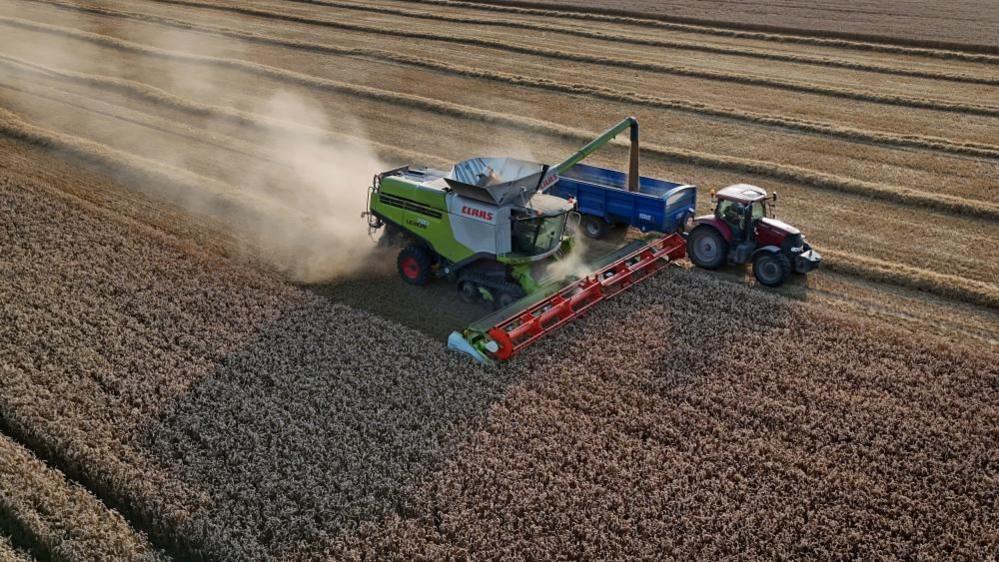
742 229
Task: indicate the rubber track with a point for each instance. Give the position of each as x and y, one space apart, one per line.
775 83
955 288
666 43
937 144
956 205
936 49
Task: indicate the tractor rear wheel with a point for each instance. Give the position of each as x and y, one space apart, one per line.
707 247
771 268
414 264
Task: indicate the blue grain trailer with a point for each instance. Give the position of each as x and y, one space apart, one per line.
605 201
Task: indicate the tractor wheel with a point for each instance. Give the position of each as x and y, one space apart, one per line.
594 227
707 247
469 291
771 268
414 265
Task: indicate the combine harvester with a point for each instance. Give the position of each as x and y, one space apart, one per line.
495 225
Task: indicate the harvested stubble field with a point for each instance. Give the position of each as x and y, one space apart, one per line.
203 359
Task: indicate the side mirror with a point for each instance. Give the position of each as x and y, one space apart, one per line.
774 196
712 195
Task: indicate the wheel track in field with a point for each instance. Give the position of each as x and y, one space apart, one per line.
936 144
157 96
951 287
55 516
261 122
102 476
807 37
558 55
126 115
217 194
896 194
829 62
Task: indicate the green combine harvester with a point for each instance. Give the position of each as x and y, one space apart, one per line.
488 225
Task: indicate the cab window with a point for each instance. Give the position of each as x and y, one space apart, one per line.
730 211
536 235
759 210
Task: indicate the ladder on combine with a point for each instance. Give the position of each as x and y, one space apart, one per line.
506 332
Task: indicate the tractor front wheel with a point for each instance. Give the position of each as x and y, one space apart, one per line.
414 264
771 268
707 247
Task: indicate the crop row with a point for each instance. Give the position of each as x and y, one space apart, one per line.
657 67
59 519
616 37
103 323
762 32
245 208
236 418
770 169
611 94
114 356
703 420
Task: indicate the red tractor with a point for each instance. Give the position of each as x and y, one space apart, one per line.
743 228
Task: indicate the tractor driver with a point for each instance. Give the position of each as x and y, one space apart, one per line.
734 214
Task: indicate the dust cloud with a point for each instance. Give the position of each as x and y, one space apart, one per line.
296 208
326 191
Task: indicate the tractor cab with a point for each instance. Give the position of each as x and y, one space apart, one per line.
740 207
742 229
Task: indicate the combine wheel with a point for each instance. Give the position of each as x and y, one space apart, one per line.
771 268
707 247
504 299
469 291
414 264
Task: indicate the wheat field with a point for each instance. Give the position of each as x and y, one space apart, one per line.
206 357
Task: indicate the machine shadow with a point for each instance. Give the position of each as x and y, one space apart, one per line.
320 423
629 385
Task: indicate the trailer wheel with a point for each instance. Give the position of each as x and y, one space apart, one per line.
414 264
771 268
594 227
707 247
